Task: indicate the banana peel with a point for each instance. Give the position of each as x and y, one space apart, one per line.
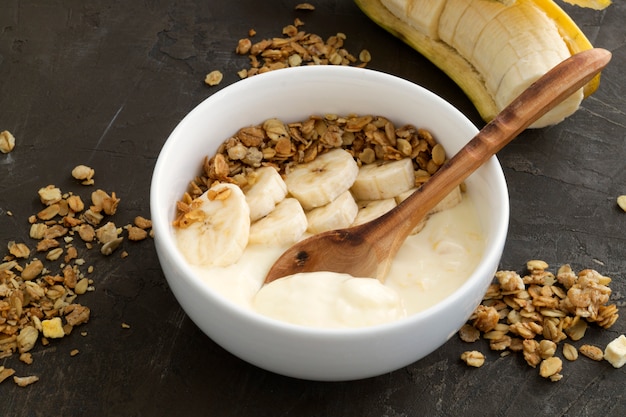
457 67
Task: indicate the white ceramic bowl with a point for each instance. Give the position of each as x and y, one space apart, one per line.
293 95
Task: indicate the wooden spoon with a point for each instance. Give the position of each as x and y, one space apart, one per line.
368 249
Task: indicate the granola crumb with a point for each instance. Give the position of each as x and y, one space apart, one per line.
473 358
5 373
214 78
7 141
24 381
125 326
305 6
27 358
592 352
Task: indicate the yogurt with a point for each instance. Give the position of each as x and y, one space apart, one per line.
428 267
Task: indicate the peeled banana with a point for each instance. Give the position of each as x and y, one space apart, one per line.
493 49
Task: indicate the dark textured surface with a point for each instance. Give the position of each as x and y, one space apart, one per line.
104 82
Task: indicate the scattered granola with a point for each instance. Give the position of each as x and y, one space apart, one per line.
550 368
473 358
296 48
24 381
536 312
37 303
5 373
570 352
214 78
7 141
305 6
592 352
84 174
283 145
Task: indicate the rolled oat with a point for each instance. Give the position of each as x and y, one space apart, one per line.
473 358
7 141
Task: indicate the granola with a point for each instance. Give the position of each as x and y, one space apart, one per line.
535 312
282 145
7 141
37 303
296 48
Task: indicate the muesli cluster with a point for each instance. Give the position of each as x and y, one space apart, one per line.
40 281
295 48
283 145
533 314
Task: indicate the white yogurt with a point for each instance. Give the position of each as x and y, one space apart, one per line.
428 267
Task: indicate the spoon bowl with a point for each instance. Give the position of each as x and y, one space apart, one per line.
367 250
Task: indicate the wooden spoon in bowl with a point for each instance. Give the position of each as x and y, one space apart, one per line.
368 249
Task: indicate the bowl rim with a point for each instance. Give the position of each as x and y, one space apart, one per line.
162 223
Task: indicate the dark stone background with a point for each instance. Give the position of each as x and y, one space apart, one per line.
103 83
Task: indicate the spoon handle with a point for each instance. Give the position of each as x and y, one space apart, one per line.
548 91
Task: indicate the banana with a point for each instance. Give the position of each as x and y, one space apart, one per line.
493 49
382 180
337 214
282 226
370 210
265 189
220 232
317 183
448 201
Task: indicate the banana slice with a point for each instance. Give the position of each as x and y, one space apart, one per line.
449 201
382 180
220 235
284 225
322 180
370 210
337 214
265 190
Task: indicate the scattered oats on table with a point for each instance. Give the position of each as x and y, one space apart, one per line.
38 293
7 141
84 174
213 78
305 6
23 381
473 358
296 48
535 313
